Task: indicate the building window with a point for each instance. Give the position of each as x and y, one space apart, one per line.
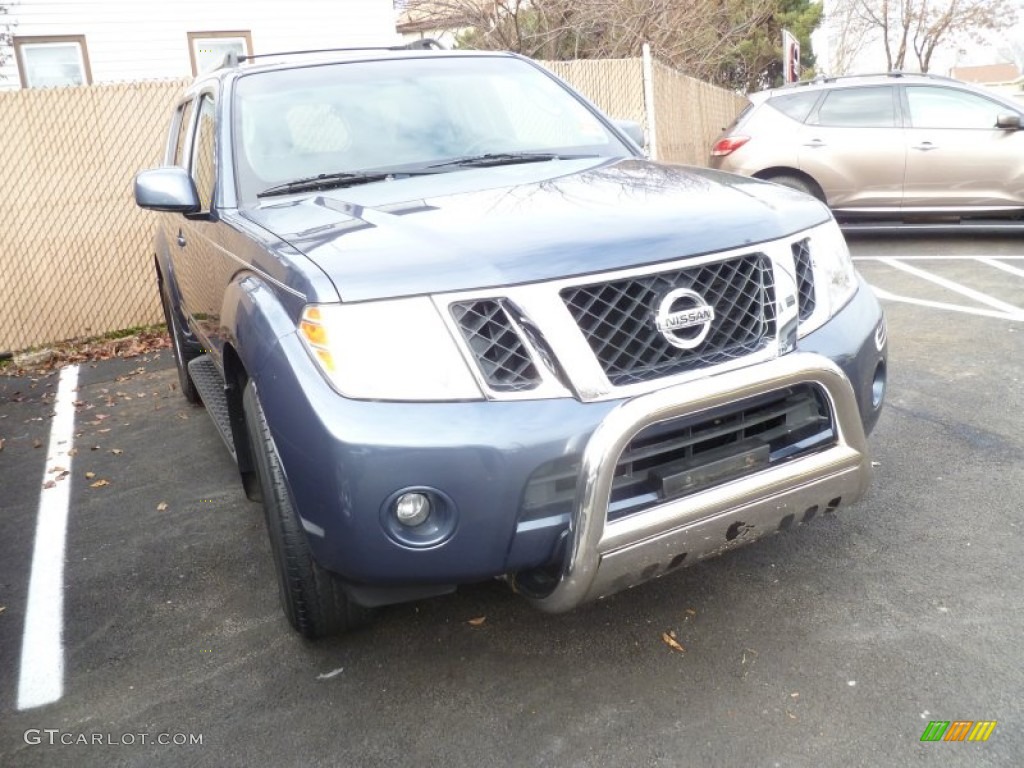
208 49
47 62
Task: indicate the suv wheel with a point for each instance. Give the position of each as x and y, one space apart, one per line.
182 352
800 184
314 599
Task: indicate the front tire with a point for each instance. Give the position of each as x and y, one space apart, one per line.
800 184
313 599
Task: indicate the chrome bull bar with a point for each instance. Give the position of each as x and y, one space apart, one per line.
604 557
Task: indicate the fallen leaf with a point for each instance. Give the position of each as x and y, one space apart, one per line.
477 622
670 640
94 447
1 443
161 507
794 695
790 715
99 483
691 612
37 443
57 470
90 475
116 451
103 430
73 452
49 484
182 415
3 608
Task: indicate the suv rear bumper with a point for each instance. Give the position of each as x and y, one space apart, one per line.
606 556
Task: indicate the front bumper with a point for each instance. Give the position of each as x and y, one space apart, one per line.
344 459
606 556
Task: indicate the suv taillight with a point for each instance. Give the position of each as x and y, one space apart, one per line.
728 145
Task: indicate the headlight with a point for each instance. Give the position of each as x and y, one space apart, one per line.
835 279
398 349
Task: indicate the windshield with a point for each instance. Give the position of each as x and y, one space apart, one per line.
403 114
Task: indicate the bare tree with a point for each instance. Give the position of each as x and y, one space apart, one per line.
5 33
912 30
850 35
734 42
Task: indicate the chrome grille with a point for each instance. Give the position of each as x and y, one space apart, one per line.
804 278
617 318
499 351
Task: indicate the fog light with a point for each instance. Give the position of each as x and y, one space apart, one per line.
412 509
878 386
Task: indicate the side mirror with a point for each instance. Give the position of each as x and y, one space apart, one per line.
1008 121
634 130
166 189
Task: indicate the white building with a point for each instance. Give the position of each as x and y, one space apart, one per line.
75 42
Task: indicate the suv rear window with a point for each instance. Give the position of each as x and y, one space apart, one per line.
796 105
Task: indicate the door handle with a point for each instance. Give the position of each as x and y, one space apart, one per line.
181 238
925 146
814 143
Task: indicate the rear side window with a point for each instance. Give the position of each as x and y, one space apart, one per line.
796 105
204 165
184 122
857 108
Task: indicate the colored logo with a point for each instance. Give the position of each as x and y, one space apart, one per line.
958 730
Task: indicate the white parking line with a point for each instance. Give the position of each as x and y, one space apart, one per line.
41 679
1005 267
886 296
963 290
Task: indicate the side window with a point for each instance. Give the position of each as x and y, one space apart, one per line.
857 108
184 123
203 164
796 105
937 107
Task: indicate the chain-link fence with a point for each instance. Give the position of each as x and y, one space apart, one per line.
689 115
615 86
75 252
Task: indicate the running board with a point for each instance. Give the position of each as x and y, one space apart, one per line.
210 384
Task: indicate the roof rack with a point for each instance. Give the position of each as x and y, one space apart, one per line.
232 59
817 79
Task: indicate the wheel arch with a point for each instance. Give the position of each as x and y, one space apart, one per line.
255 319
768 174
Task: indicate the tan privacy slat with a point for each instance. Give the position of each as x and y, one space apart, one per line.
76 255
690 114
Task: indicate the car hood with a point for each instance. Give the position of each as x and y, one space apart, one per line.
492 227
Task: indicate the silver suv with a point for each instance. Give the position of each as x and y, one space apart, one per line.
902 145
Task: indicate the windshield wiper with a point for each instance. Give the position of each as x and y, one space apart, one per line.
505 158
336 180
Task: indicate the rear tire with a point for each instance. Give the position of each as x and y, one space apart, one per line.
313 599
182 353
800 184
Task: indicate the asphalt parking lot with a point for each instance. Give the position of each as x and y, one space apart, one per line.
835 643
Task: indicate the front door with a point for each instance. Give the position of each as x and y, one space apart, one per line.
956 156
